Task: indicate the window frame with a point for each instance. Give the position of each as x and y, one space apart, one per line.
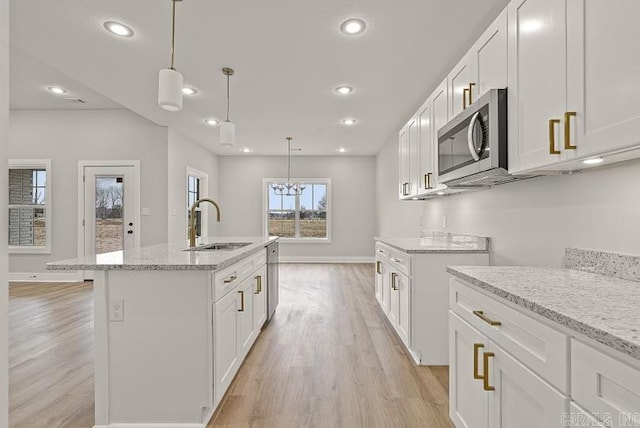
203 192
266 183
34 164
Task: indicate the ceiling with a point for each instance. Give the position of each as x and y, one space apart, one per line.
289 56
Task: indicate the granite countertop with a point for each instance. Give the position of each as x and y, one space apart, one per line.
439 242
600 307
168 256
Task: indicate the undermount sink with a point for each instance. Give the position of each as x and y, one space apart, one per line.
219 246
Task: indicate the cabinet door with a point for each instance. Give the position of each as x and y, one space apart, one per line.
403 163
603 70
259 299
225 331
490 58
461 80
379 282
392 313
246 332
468 402
537 82
414 155
439 118
403 285
426 176
521 399
386 288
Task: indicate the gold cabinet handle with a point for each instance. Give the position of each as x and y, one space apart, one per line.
471 85
241 301
258 284
476 348
567 130
465 94
378 267
393 281
552 137
485 376
427 180
230 279
483 317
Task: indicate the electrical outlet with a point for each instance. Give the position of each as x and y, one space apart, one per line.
116 310
444 221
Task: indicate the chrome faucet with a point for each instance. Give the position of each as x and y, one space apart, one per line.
192 222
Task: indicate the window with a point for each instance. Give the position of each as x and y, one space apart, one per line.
197 183
303 218
29 206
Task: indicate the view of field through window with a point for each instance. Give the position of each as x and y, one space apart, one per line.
109 231
303 216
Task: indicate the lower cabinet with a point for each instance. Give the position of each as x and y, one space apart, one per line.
490 388
238 317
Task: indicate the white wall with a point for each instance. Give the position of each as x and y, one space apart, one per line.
352 201
530 222
184 152
4 142
66 137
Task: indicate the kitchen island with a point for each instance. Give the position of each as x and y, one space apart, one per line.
172 327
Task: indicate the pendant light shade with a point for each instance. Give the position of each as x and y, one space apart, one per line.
227 133
228 128
170 81
170 87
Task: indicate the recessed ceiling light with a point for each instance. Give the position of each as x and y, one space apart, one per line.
247 150
189 91
118 29
343 150
344 90
593 161
349 122
352 26
57 90
211 121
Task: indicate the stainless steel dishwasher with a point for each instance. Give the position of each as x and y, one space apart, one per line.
273 288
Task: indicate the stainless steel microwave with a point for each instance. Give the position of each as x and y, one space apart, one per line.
472 147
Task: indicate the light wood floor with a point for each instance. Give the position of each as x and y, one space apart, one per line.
51 355
327 359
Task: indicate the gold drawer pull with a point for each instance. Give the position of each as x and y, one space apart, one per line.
483 317
567 130
427 180
230 279
465 94
396 260
471 85
241 301
258 284
378 267
476 347
485 377
552 137
393 281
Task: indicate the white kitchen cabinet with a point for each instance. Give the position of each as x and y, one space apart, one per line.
439 118
412 291
428 166
246 332
409 156
584 102
403 163
482 68
260 299
225 344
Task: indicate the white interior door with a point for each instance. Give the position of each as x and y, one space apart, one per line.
111 209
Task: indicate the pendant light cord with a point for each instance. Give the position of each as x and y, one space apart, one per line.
289 165
228 92
173 34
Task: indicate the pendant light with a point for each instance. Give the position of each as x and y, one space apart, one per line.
288 188
171 81
227 128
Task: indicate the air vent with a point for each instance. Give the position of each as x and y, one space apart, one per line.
76 100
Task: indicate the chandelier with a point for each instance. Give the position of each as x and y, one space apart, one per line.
288 188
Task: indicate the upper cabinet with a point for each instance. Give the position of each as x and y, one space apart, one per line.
484 67
409 156
572 82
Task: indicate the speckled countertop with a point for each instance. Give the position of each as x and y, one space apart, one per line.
601 307
439 242
168 256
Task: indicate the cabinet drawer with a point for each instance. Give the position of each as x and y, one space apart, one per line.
396 259
605 386
539 347
226 279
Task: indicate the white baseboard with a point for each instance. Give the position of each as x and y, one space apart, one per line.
304 259
71 276
152 425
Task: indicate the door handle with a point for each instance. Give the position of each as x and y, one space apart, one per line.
471 85
258 284
552 137
378 266
475 153
230 279
465 94
567 130
427 180
393 281
241 301
476 348
485 376
483 317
